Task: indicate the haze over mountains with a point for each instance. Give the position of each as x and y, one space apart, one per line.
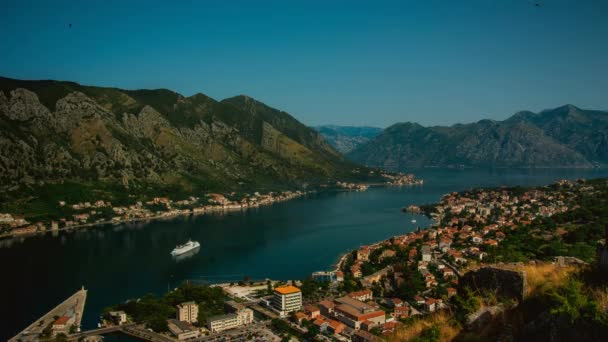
159 140
346 138
566 136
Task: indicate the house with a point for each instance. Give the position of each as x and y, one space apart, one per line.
426 253
451 292
389 327
363 253
401 312
368 325
413 254
419 300
321 323
430 305
335 327
363 295
356 271
393 302
61 325
445 244
387 253
312 311
327 307
300 316
447 273
490 242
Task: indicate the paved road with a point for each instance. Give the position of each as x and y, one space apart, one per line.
140 332
100 331
75 302
241 334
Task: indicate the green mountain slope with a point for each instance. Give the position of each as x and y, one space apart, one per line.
563 137
153 141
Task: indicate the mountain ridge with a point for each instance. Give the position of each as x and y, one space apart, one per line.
152 142
566 136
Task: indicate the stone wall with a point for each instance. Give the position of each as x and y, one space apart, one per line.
503 282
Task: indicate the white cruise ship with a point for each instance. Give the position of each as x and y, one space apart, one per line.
185 248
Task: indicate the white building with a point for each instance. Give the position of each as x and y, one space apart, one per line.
232 320
187 312
287 299
426 253
119 317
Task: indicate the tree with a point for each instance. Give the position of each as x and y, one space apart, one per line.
313 331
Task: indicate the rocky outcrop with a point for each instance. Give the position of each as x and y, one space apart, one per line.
52 132
502 282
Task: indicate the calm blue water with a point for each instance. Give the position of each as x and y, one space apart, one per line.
285 241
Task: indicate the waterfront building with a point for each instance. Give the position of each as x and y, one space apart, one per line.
61 325
240 317
118 317
287 299
187 312
325 277
182 330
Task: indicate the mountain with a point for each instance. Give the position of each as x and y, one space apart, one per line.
347 138
62 139
562 137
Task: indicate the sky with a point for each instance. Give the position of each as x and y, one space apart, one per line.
326 62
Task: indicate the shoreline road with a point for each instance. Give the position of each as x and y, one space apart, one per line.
73 305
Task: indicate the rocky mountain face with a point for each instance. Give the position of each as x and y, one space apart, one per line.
52 132
563 137
347 138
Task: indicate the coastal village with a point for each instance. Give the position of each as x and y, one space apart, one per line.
374 289
101 212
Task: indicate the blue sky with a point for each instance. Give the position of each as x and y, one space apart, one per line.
326 62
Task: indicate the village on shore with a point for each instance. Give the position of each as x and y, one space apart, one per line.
374 289
100 212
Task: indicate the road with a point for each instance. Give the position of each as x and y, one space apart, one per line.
100 331
140 332
260 329
454 268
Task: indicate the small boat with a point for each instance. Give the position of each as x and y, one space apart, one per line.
413 221
185 248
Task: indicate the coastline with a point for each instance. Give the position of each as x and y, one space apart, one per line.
213 209
165 215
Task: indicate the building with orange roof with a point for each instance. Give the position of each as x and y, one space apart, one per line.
335 327
286 299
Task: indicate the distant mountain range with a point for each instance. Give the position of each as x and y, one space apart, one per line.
155 141
346 138
562 137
